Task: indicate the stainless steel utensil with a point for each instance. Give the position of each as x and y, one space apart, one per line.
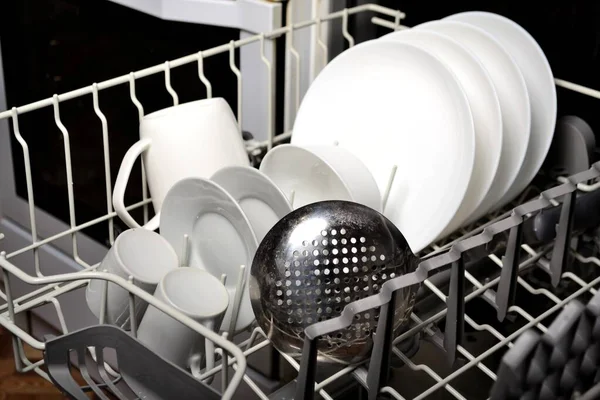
315 261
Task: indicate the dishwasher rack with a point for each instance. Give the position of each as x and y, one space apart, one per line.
517 271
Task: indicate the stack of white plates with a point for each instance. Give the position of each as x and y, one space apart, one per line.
462 110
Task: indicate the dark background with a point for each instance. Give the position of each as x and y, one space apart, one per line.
53 46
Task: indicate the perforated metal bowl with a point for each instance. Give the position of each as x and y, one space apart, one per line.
314 262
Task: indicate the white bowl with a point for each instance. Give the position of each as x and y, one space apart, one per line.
308 174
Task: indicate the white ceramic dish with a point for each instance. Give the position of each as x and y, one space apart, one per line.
220 236
308 174
261 200
394 104
540 85
485 107
512 94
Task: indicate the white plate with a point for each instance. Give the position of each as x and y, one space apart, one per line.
390 104
540 85
261 200
512 94
485 107
220 236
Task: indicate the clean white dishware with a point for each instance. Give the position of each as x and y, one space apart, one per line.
512 94
140 254
311 173
193 139
396 105
196 294
261 200
485 107
540 85
208 230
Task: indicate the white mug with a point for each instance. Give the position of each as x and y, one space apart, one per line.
193 139
142 254
198 295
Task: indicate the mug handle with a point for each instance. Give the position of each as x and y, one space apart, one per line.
121 184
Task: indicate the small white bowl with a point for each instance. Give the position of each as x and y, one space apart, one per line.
308 174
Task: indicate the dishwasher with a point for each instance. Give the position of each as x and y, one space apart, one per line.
508 308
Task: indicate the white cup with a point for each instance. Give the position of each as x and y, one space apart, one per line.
138 253
308 174
193 139
198 295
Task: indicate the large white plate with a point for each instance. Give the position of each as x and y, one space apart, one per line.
485 107
390 104
261 200
512 94
220 237
540 85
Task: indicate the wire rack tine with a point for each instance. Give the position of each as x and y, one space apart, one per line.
202 77
399 15
270 94
17 349
140 109
29 183
345 32
132 314
61 316
69 171
322 46
170 89
238 75
106 148
296 56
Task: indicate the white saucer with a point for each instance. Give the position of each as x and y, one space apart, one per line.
220 236
394 104
261 200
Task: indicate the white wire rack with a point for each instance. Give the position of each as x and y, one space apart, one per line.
431 378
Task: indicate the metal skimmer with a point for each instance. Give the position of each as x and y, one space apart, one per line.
318 259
